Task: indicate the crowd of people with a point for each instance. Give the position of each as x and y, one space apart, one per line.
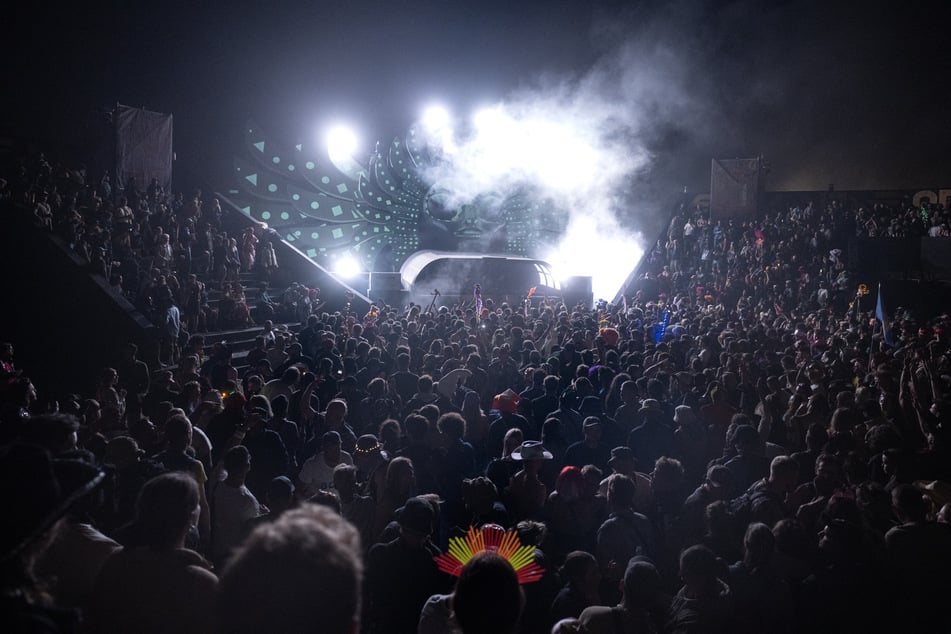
734 447
160 250
908 221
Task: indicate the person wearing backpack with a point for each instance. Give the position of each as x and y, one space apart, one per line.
765 501
625 534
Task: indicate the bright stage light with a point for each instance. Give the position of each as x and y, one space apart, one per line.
609 257
435 118
437 129
341 143
348 267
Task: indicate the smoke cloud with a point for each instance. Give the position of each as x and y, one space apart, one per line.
675 85
586 144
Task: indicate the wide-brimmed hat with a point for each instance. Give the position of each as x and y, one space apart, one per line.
447 385
650 405
531 450
368 444
37 491
416 515
507 401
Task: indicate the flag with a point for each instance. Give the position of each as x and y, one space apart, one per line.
882 317
661 329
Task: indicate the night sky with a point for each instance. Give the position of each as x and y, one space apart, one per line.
845 93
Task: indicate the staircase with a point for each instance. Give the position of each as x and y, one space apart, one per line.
240 339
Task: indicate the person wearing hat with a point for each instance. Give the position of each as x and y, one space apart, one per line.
591 450
622 461
402 574
526 492
506 405
371 462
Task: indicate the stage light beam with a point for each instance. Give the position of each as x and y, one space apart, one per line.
618 254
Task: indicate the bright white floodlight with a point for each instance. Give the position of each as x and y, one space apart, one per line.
347 267
435 117
341 143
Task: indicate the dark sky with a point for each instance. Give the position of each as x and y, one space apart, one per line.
845 93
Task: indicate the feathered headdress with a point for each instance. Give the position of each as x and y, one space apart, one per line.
491 538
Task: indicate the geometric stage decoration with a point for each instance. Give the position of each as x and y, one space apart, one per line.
381 212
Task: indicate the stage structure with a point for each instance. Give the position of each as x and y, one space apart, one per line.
454 276
382 212
143 146
734 187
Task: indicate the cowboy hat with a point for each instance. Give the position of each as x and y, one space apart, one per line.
531 450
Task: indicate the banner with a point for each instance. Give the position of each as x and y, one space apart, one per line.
882 316
143 147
